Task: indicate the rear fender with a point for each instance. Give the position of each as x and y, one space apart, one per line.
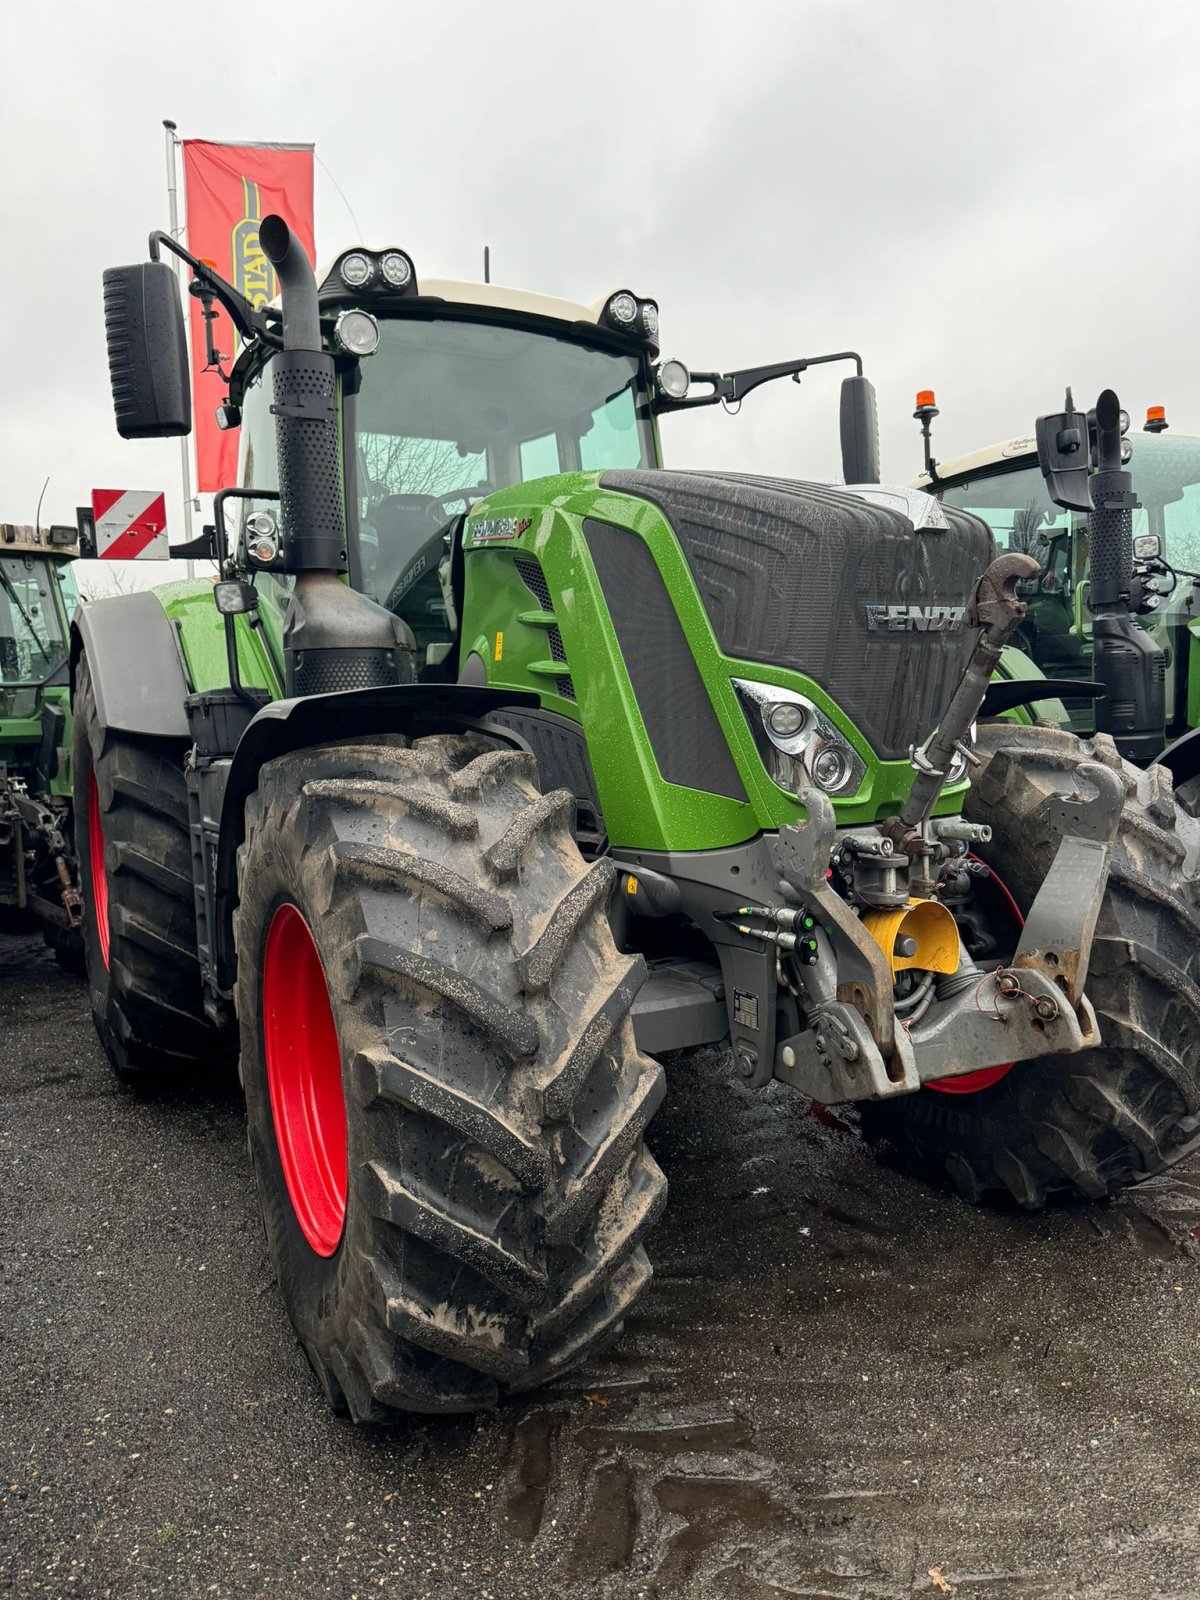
287 725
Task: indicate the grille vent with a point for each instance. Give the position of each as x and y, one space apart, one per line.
534 580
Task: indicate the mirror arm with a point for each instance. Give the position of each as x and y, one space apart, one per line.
730 387
210 285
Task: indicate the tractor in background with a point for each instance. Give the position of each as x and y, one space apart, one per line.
38 875
1141 683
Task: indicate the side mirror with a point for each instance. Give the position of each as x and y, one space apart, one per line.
1064 456
859 423
147 351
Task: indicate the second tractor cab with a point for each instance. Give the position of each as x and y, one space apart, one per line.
1005 485
38 598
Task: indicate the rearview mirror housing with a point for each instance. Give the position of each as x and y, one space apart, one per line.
147 351
859 426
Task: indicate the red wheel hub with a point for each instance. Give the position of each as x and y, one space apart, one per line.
304 1079
96 862
974 1082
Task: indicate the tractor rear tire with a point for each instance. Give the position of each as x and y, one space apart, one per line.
445 1100
139 916
1092 1123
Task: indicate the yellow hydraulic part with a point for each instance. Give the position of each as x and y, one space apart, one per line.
927 924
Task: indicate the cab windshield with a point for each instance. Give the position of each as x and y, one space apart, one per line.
1166 477
450 410
31 638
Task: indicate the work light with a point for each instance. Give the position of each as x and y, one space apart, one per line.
397 269
357 333
357 270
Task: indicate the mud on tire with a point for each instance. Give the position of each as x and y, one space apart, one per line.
147 996
1092 1123
498 1187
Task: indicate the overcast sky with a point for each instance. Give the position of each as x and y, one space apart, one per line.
986 199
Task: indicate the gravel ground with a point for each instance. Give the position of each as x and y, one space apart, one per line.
843 1385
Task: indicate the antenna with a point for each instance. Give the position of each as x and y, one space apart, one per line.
487 264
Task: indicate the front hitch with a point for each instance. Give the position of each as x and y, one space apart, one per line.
854 1047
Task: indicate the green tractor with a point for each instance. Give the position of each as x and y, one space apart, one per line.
502 762
1125 660
38 883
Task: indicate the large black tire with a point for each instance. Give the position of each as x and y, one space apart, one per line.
147 998
497 1186
1087 1124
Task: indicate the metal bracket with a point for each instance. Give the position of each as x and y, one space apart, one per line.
801 855
837 1060
1011 1016
1057 937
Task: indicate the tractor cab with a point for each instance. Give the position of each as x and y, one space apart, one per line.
458 390
1004 486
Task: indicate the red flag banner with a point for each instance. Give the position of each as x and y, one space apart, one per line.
230 188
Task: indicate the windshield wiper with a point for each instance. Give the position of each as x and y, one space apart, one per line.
16 600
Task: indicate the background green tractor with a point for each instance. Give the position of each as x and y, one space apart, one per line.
38 883
1154 712
508 761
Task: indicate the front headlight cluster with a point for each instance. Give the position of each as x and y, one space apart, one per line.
359 273
625 313
797 742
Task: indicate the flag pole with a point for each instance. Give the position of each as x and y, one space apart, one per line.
185 463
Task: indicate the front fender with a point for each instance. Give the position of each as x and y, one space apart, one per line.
1182 757
136 665
286 725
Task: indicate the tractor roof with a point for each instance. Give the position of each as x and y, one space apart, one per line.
456 292
495 296
1023 448
979 460
23 539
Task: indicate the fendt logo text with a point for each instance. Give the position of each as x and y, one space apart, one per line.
915 619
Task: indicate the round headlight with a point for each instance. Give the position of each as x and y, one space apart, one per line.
356 270
623 308
357 332
785 718
650 318
261 525
396 269
674 379
830 768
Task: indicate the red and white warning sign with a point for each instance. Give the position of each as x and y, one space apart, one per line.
131 524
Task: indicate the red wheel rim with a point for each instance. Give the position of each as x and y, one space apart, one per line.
304 1079
975 1082
99 873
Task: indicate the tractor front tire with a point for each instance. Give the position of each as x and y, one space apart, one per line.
139 913
1089 1124
445 1100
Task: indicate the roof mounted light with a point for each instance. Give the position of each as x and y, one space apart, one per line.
359 273
1156 419
397 269
357 270
650 319
622 309
357 333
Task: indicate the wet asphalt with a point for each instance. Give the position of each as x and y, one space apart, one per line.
843 1385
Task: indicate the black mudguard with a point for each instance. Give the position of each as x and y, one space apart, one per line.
285 725
1182 757
136 665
